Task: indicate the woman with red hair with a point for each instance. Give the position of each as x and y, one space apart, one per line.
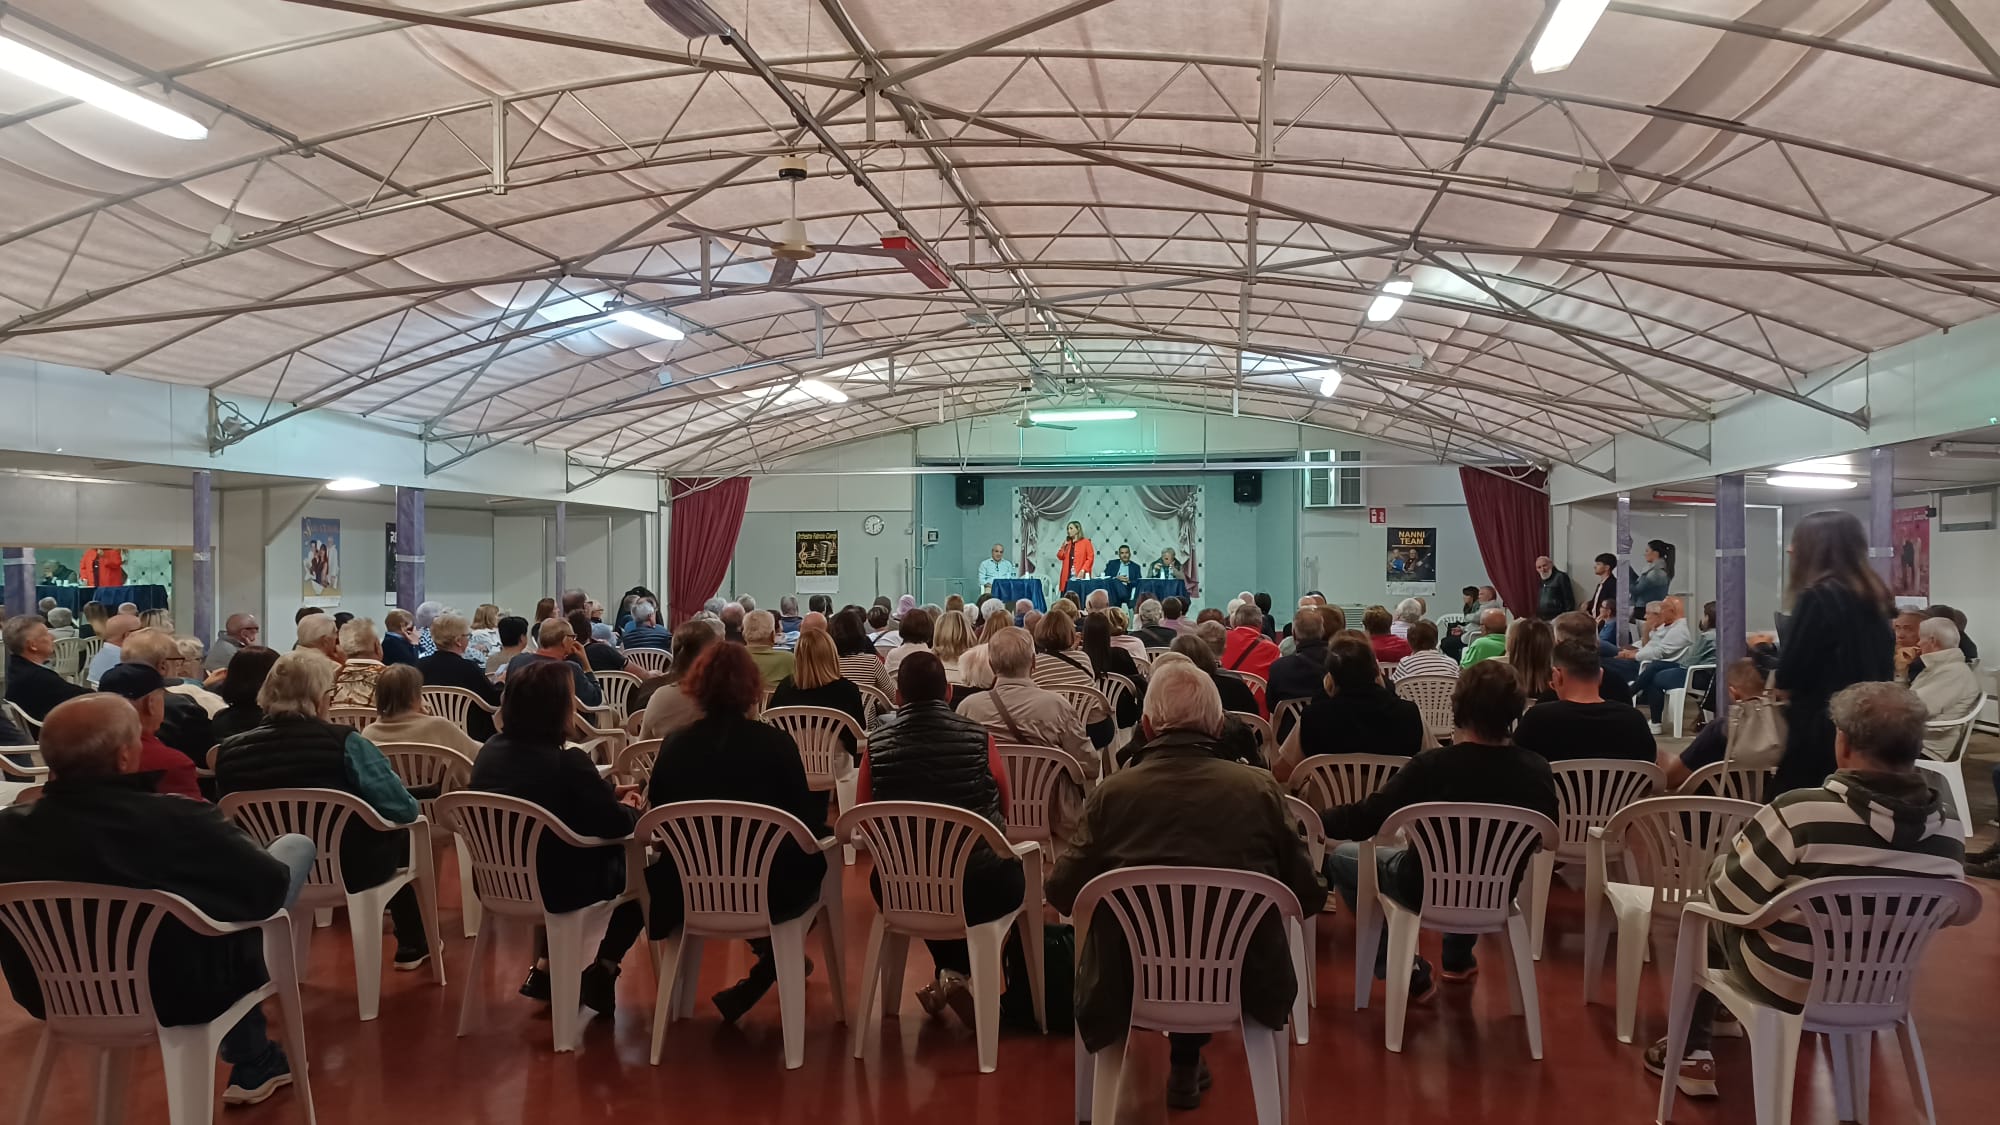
727 755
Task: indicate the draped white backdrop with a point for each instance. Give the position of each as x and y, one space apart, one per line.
1148 518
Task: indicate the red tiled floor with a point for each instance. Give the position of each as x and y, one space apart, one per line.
1464 1057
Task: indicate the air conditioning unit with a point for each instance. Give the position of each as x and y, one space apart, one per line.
1333 486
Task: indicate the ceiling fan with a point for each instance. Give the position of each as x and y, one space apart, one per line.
790 247
1025 420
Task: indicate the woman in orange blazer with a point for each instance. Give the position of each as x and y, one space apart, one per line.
1076 558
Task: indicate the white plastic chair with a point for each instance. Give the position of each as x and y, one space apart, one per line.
1305 939
1724 779
323 816
1470 854
1085 701
454 704
654 660
1285 715
635 763
91 950
1037 778
1117 689
1257 683
354 718
1950 765
20 718
1867 934
1951 779
920 852
68 660
817 732
37 771
874 701
1327 781
1589 792
1432 695
504 835
722 852
1186 931
422 765
1668 845
1267 741
618 688
1676 698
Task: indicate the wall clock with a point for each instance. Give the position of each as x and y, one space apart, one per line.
872 525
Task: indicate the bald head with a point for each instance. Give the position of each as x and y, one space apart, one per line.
118 628
1672 609
89 736
814 622
1493 621
154 648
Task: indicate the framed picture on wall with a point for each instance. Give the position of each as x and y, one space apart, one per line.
319 556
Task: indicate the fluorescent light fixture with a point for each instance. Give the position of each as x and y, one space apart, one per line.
691 18
350 484
43 69
825 392
1824 466
601 302
1329 382
1092 414
1968 449
1811 481
1564 34
1390 299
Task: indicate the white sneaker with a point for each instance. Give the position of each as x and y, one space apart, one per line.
1654 727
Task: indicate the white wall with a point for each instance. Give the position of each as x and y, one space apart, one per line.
870 565
521 574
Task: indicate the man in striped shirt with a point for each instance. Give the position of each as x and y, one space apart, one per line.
1877 815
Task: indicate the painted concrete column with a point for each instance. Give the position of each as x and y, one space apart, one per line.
204 557
409 548
20 581
1731 597
1882 511
1624 572
561 570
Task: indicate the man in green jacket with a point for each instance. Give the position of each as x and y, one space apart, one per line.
1492 639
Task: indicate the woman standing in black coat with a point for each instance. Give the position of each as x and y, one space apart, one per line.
1840 635
727 755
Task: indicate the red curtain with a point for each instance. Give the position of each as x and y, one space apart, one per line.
1510 519
707 514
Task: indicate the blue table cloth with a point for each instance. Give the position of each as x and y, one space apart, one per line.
73 597
1011 590
1161 588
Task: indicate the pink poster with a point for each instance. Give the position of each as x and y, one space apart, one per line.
1910 565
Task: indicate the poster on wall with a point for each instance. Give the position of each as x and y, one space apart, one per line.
319 553
817 562
1411 570
389 564
1910 565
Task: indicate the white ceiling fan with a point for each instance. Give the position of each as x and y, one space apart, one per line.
791 247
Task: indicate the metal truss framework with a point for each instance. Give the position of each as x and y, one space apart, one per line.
1192 277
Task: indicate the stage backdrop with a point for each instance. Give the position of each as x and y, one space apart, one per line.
1147 517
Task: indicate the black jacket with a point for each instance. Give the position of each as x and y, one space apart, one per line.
1236 694
734 758
1121 663
928 752
118 832
397 649
449 669
232 721
839 694
1836 640
187 727
296 752
1464 771
36 689
1371 721
1155 636
1302 675
1555 595
564 782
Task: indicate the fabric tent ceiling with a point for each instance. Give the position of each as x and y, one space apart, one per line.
402 211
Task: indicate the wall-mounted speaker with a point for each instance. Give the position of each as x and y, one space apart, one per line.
971 491
1249 486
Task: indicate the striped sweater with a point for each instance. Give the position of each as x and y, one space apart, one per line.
1856 824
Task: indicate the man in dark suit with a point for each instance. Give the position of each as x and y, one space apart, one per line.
1125 571
32 685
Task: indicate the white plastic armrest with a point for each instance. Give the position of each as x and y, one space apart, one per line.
827 843
1025 847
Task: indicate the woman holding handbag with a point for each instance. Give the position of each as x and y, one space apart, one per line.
1840 635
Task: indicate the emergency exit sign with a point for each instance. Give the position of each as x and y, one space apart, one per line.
1378 515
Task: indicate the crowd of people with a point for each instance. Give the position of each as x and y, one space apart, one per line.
1162 712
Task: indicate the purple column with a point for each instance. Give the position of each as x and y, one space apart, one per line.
1731 613
1882 511
204 557
1624 571
561 570
20 584
409 548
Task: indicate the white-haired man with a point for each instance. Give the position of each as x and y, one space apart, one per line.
732 616
1151 613
760 634
1018 710
1946 683
995 567
1098 600
645 630
1183 804
1022 608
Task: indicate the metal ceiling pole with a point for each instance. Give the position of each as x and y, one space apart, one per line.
409 548
204 556
1623 575
561 570
1882 511
20 584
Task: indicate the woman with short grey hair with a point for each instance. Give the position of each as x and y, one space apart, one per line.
427 613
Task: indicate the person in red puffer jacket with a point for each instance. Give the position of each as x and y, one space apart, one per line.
1247 649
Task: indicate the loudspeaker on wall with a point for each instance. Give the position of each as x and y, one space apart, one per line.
1249 486
971 491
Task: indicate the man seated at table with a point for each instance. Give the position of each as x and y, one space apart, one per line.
1125 572
995 568
1166 566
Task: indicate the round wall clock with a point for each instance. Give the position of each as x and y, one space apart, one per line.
872 525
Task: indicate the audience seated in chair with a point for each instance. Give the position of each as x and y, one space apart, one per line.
1711 744
1945 682
815 681
172 772
1877 815
186 725
1300 672
560 644
448 666
1017 709
399 701
1356 715
669 709
32 685
1183 804
99 821
1424 658
1578 723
